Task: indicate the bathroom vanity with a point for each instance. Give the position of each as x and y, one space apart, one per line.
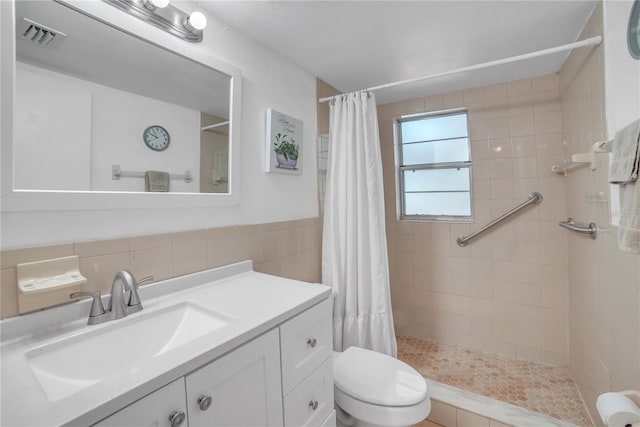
222 347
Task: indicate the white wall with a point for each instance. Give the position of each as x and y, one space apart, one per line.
622 72
52 132
268 81
122 144
67 138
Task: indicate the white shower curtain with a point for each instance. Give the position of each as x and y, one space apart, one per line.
354 247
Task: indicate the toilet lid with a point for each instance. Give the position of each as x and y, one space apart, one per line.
377 378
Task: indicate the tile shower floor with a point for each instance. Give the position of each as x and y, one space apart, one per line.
537 387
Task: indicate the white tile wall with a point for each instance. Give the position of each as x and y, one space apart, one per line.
478 294
604 290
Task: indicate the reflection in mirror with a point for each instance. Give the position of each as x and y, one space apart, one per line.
214 155
85 96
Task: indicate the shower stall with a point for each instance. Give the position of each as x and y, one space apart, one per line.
526 297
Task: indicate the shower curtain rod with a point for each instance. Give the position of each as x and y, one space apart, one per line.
592 41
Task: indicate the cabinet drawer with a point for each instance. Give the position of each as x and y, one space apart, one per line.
316 391
306 342
152 410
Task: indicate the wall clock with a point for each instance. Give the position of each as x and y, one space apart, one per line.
633 30
156 137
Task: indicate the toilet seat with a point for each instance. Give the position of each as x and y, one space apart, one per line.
379 379
379 389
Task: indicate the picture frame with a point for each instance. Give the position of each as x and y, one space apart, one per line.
283 144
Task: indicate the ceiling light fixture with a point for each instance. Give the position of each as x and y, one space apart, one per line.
165 16
195 21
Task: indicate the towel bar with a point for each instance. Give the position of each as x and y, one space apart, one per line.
591 228
117 173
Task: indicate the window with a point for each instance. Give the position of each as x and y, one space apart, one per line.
434 166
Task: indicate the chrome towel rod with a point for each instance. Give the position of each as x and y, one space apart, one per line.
591 229
534 197
117 173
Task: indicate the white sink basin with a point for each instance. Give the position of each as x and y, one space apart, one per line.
123 347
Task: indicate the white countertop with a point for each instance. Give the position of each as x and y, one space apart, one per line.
256 302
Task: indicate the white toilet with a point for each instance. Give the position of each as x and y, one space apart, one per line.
373 389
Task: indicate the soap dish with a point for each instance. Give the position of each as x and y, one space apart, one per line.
48 275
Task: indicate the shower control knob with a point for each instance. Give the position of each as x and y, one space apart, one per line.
312 342
313 404
204 402
176 418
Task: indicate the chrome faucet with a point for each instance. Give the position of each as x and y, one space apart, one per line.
123 282
117 308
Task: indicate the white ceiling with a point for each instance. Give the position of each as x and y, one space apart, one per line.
357 44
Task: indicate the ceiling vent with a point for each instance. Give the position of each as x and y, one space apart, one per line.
37 33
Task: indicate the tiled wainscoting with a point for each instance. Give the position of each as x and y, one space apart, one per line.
289 249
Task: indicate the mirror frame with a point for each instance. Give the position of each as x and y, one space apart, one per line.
14 200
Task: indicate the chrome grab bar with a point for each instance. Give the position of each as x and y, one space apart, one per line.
591 229
534 197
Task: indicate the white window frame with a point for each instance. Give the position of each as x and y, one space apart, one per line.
400 168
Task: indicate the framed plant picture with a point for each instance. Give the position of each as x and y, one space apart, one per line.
284 144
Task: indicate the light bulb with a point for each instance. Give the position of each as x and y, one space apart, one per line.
155 4
196 21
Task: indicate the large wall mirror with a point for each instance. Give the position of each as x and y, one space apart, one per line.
101 111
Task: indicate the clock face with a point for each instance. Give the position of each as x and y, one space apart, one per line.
633 31
156 137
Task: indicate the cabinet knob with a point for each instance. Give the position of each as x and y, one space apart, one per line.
312 342
176 418
204 402
313 404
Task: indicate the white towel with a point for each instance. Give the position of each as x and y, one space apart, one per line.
623 170
625 158
156 181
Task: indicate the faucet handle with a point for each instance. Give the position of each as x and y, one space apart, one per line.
134 298
96 305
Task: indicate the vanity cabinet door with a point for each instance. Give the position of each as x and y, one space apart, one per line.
242 388
165 407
